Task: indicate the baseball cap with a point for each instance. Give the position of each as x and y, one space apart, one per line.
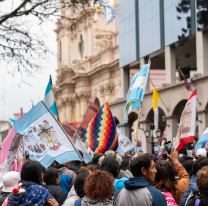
10 179
201 152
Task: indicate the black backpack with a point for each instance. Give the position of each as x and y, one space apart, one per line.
192 196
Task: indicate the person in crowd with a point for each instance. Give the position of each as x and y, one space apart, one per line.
74 165
111 153
201 153
31 174
10 179
138 188
52 179
98 188
125 167
36 195
165 179
187 164
95 160
91 168
67 176
202 184
111 166
79 188
197 165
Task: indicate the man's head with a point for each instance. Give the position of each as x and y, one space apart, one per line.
202 180
201 153
144 167
198 164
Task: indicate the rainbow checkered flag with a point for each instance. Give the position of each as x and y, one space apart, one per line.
100 134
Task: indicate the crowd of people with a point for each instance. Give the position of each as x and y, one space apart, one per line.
109 179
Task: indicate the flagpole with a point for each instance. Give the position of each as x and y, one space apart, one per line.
64 132
140 108
54 97
160 96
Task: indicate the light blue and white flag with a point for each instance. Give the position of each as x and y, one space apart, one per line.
49 98
109 13
202 143
80 146
12 121
136 90
124 144
44 137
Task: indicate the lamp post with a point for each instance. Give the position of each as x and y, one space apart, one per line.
147 133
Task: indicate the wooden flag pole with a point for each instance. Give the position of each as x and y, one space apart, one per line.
160 97
140 108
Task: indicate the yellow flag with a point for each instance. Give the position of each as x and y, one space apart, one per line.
155 97
73 118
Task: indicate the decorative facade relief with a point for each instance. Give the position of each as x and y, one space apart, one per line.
109 88
102 40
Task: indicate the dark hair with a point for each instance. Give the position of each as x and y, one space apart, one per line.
138 163
186 157
199 163
79 183
32 171
50 175
165 178
99 185
110 165
188 166
125 164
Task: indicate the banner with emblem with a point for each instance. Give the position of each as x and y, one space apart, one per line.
44 137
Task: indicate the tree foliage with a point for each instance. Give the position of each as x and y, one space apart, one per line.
21 37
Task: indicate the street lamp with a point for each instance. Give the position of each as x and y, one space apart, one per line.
147 133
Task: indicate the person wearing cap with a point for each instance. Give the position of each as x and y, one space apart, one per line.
201 153
10 179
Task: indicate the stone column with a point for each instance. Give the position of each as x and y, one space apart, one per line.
101 90
90 43
146 147
77 107
170 64
203 118
63 111
109 92
124 81
172 125
65 49
84 100
69 103
142 62
202 52
72 48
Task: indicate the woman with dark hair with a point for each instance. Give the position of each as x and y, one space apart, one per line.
165 179
98 189
31 174
111 165
79 188
52 179
125 167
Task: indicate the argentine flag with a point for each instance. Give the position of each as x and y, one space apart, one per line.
44 137
202 141
109 13
49 99
136 90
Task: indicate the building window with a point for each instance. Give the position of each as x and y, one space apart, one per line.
81 46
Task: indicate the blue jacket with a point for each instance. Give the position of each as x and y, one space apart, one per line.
13 198
138 190
193 187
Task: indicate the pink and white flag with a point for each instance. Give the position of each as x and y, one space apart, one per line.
186 130
11 152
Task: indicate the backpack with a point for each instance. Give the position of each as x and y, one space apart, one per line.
192 196
169 199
